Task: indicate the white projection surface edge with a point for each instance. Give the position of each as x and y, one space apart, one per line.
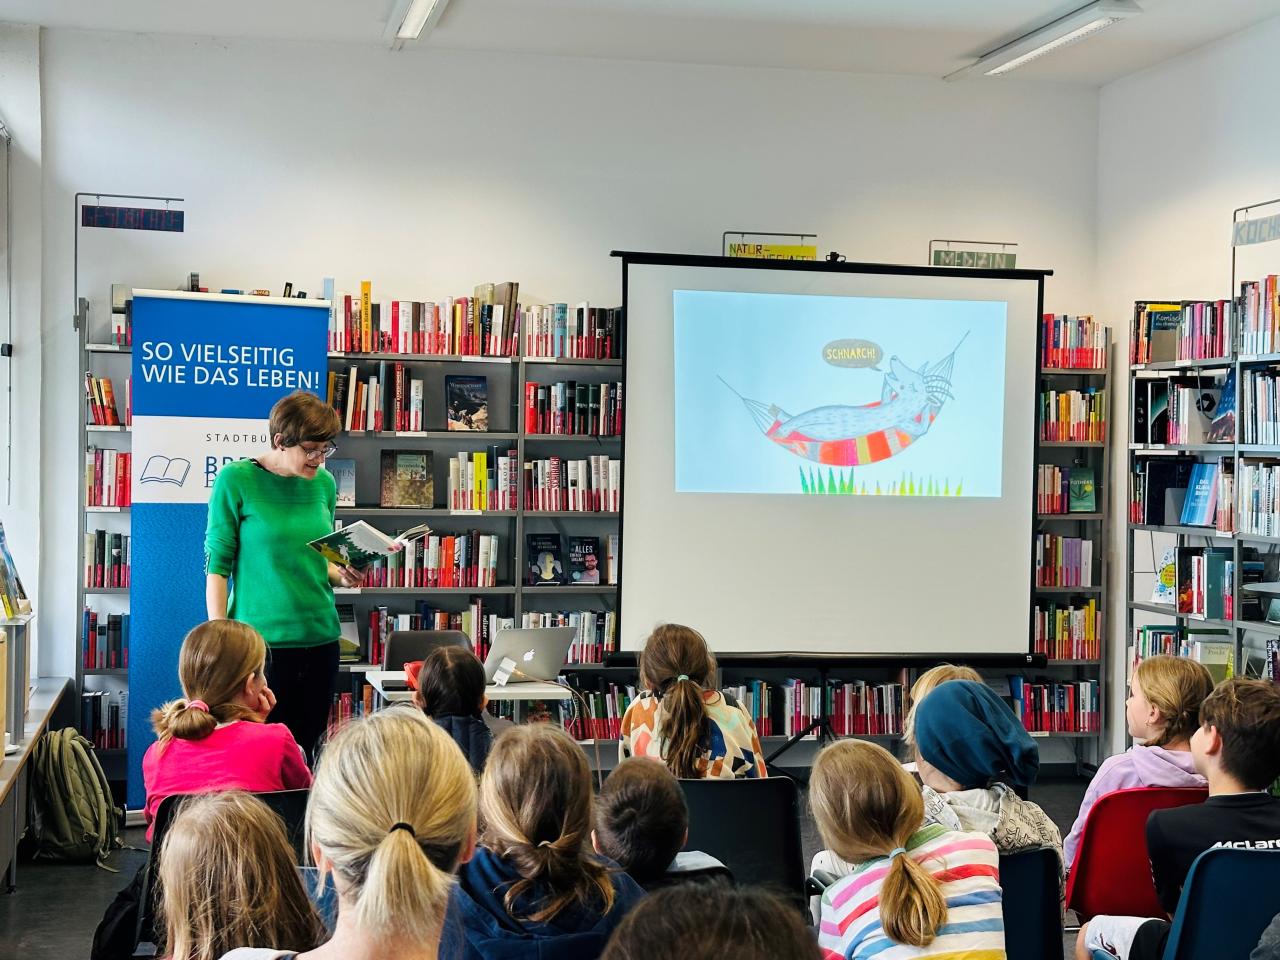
829 462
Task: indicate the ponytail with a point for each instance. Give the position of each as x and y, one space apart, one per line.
912 908
216 659
677 667
393 809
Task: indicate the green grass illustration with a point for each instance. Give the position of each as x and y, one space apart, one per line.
841 483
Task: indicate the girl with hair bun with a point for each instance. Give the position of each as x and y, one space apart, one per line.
915 890
214 737
536 888
681 719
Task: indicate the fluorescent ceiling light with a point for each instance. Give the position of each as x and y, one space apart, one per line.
411 18
1075 26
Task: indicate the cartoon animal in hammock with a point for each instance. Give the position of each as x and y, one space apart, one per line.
847 436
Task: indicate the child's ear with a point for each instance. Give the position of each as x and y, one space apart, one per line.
468 846
1212 741
684 841
247 689
595 842
484 701
417 698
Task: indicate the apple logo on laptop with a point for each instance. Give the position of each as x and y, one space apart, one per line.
528 656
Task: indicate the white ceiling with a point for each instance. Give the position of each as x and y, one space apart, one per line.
922 37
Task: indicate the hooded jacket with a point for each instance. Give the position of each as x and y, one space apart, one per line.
1139 766
471 734
576 933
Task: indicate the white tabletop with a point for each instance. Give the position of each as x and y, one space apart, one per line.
528 690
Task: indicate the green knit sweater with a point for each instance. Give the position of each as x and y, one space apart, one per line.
258 531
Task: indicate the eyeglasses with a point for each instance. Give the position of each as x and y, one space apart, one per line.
318 453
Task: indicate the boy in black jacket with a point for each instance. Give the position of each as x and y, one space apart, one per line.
1237 749
451 692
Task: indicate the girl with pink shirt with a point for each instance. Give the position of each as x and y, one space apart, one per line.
214 737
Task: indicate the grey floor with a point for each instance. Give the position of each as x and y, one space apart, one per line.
53 912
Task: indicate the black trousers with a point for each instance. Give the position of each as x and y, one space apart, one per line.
304 680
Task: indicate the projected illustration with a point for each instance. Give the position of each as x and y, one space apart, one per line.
868 426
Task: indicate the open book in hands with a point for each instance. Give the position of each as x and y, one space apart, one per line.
359 544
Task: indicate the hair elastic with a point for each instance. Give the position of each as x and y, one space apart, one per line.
895 851
545 843
403 826
198 705
683 676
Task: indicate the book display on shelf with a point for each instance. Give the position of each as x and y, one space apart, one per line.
102 404
1259 316
572 408
597 635
591 485
1076 415
104 640
1073 343
1069 632
1153 334
107 478
435 561
1063 561
584 560
483 480
104 718
1047 706
1065 489
466 400
407 478
106 559
581 332
544 560
344 478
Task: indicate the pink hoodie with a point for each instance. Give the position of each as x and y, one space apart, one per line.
1139 766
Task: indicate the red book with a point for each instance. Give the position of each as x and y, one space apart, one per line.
395 328
530 408
346 322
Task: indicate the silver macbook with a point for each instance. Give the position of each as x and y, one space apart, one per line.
538 653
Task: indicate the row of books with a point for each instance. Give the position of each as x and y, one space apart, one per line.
392 400
1071 632
1063 561
1065 489
1258 509
106 559
1074 415
1209 498
1167 490
104 718
102 409
585 332
484 324
450 560
475 621
13 598
1258 307
597 631
1199 409
854 707
605 703
593 485
483 480
108 481
1153 335
1259 406
570 408
1205 582
1185 330
347 706
1075 343
1192 410
587 563
1212 647
1048 706
104 640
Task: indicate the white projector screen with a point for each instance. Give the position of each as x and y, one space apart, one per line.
835 460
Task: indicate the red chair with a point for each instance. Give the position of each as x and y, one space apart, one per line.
1112 872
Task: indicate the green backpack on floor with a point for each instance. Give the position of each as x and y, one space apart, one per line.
73 815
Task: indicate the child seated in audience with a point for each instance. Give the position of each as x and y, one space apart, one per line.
1163 711
682 719
227 875
642 820
914 889
535 888
215 736
391 815
711 922
451 692
1237 749
925 684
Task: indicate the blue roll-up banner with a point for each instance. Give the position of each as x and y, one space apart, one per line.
207 369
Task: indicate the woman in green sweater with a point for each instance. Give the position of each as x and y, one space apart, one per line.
262 514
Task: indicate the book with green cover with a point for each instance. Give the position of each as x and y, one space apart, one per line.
359 544
1082 498
408 479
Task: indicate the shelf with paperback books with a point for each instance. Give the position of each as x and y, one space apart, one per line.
1073 345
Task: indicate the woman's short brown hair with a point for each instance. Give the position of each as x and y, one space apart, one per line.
302 416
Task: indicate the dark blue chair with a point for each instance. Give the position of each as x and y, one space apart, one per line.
1228 900
324 898
1032 913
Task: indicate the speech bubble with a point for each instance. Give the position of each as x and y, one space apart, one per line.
853 353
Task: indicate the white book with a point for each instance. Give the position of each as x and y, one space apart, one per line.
469 486
433 561
455 483
571 469
594 503
371 404
415 404
504 479
482 562
353 381
493 562
495 329
615 484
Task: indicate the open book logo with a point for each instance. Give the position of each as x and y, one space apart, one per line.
165 470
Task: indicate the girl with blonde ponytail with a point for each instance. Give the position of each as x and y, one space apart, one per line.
214 737
915 891
535 887
682 719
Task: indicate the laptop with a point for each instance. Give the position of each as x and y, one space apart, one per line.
405 645
538 652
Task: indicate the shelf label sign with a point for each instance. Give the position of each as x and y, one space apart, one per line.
133 218
975 259
1262 230
774 251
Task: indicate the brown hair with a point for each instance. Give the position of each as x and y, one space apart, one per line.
217 658
380 773
709 921
676 666
535 802
1246 714
451 682
641 818
1176 686
925 684
227 880
866 806
302 416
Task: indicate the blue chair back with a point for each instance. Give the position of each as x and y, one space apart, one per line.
1229 898
323 898
1032 915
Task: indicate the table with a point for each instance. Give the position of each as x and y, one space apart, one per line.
14 772
528 690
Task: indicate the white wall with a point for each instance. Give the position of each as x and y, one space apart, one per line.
1180 146
429 172
20 111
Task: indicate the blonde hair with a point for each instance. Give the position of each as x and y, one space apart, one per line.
216 659
866 806
1176 686
227 880
536 804
676 666
925 684
392 809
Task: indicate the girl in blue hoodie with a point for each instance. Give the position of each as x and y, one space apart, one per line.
451 692
535 888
